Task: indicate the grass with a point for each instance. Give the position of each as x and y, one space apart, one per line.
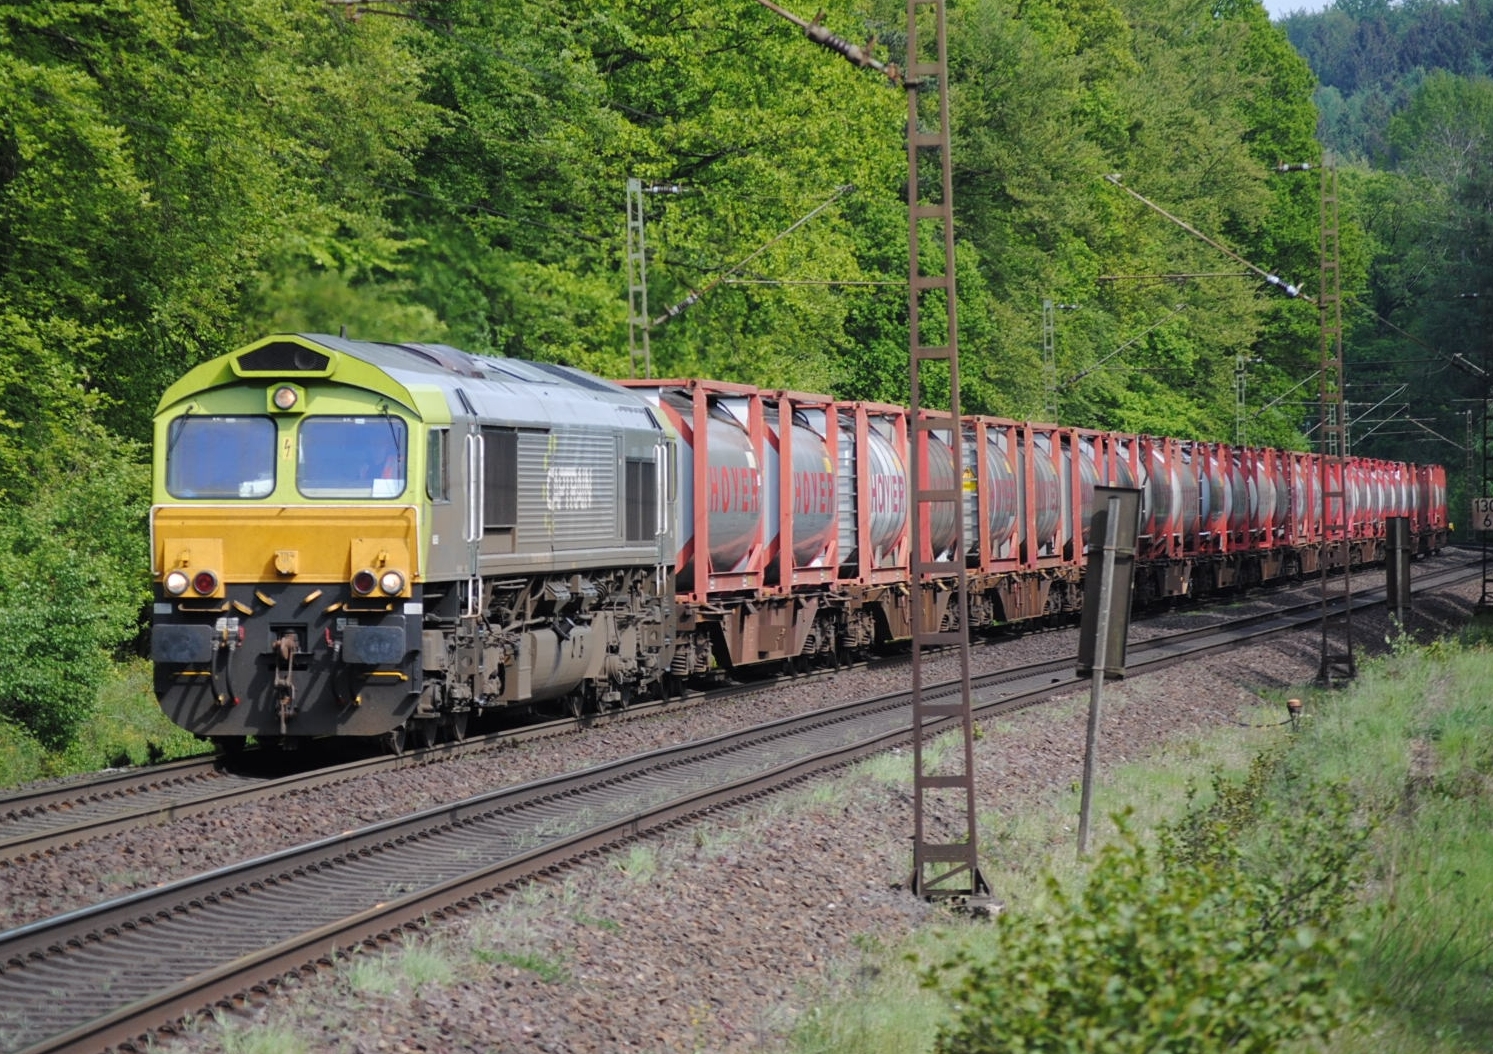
547 969
239 1037
128 729
411 968
641 862
1412 739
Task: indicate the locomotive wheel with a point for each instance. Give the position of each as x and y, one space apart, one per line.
231 746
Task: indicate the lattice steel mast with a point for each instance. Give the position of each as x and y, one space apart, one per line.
1337 662
945 851
638 324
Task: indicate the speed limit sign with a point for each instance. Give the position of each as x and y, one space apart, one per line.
1482 514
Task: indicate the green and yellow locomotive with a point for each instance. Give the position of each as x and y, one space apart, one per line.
363 539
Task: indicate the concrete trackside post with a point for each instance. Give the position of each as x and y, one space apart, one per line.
1105 624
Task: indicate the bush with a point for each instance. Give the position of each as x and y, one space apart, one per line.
73 580
1218 938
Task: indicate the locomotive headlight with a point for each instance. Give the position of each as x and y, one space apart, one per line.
364 582
285 397
176 583
392 583
205 582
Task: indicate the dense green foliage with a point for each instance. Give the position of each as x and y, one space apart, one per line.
1201 944
1370 57
1406 108
128 729
440 168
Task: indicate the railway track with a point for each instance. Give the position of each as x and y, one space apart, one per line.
47 819
110 974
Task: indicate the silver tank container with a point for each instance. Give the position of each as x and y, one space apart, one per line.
1264 487
733 490
1189 505
1161 494
886 504
814 502
1047 493
1088 478
1243 498
941 476
1000 486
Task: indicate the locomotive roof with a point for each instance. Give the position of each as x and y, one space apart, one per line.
444 359
438 365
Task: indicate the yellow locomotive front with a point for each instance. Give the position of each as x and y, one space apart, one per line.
286 547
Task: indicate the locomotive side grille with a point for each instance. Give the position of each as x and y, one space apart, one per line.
642 496
570 488
500 487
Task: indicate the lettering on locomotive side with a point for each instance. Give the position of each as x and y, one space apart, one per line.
568 488
813 493
734 489
888 494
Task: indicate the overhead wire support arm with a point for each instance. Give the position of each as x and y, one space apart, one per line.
1280 283
855 54
1133 340
695 294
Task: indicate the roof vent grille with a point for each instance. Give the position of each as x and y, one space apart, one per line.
284 356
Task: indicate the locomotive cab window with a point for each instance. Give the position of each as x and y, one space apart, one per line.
220 457
352 457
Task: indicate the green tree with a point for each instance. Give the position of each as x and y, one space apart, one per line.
73 580
157 161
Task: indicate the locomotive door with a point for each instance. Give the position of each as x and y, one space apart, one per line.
473 463
463 512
